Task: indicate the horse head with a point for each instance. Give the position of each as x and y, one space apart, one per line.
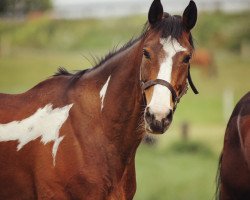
167 49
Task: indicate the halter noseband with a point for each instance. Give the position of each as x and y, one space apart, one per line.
175 98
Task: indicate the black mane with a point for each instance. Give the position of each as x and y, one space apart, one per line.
169 26
61 71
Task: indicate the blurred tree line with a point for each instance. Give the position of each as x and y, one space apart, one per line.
23 7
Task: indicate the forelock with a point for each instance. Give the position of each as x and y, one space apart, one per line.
171 26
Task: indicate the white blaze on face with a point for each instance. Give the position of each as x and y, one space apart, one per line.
44 123
160 104
103 91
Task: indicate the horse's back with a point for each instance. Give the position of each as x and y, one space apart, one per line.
235 162
16 106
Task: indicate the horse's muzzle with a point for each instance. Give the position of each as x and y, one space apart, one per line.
157 126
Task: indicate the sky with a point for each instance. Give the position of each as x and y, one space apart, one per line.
100 8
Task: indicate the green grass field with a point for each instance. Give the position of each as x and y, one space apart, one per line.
31 51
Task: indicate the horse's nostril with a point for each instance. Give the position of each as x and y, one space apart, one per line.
169 116
148 116
167 121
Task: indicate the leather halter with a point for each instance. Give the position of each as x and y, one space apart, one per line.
175 98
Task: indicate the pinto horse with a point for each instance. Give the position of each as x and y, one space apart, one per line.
234 167
74 136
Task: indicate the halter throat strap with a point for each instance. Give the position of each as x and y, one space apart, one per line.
191 82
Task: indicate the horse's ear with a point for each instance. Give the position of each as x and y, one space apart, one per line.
189 16
155 12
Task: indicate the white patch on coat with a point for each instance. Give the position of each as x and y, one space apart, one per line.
57 141
239 129
238 124
103 91
44 123
160 104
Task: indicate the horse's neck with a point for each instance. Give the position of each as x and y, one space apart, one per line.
122 105
120 99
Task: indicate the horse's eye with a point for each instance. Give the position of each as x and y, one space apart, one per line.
187 59
146 54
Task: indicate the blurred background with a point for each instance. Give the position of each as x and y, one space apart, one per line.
38 36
